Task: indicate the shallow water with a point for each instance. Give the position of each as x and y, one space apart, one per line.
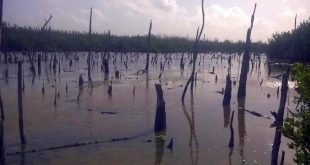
200 128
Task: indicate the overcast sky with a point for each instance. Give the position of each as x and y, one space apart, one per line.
225 19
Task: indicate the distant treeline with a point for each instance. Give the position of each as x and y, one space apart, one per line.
293 44
15 38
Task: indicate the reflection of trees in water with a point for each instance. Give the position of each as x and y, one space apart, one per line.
226 110
194 149
160 148
89 124
231 151
22 154
241 125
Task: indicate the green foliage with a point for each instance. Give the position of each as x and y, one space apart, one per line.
297 127
291 45
21 39
302 75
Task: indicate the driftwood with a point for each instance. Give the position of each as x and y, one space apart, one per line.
20 105
77 144
245 60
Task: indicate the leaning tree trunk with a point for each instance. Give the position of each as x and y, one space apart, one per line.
279 120
245 61
148 48
195 53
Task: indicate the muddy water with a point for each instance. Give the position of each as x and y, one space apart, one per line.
199 128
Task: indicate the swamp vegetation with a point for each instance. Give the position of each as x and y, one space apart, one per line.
90 98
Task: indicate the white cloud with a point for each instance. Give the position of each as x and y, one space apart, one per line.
131 17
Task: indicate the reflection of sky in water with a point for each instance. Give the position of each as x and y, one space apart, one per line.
276 84
205 121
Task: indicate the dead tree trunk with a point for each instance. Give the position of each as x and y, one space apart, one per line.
227 94
160 118
148 48
89 48
39 64
182 62
195 53
109 45
279 120
34 43
246 60
20 105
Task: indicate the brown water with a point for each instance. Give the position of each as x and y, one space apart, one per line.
200 128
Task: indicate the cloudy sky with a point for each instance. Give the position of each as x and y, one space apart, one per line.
225 19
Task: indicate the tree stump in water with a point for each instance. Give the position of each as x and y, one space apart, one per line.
117 74
20 104
245 61
160 118
81 81
39 64
279 120
148 48
227 94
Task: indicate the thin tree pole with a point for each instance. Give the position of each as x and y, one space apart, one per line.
89 48
195 53
20 104
148 48
245 60
227 93
39 35
89 44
